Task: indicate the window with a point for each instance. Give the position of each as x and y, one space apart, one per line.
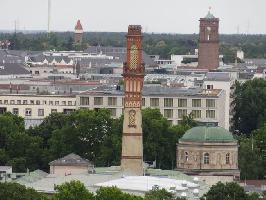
1 102
196 102
28 112
25 102
227 158
98 100
182 102
196 113
113 112
31 101
112 101
19 102
210 103
63 103
181 113
40 112
210 113
57 103
5 101
38 102
123 101
143 102
84 101
51 103
206 158
168 102
44 102
186 156
12 102
15 111
69 103
209 87
53 110
154 102
168 113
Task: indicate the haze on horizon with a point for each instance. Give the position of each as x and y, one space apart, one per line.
159 16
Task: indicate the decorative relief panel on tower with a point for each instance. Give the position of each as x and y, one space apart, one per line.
132 118
133 57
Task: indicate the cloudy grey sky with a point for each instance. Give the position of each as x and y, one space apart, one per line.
167 16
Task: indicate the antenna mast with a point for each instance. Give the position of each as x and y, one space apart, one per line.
49 17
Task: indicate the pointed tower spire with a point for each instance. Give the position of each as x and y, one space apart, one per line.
78 33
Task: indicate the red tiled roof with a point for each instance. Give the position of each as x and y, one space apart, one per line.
254 182
78 26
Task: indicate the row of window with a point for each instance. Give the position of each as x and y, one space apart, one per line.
28 111
37 102
168 113
154 102
206 158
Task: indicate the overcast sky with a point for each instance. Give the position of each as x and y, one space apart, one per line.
164 16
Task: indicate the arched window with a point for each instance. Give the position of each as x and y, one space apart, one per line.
206 158
227 158
186 156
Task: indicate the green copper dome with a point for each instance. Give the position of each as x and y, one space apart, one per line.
208 134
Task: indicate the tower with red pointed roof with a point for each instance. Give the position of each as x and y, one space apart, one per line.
78 33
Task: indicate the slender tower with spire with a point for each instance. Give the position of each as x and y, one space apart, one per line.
78 33
133 73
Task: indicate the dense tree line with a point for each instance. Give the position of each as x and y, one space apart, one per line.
164 45
91 134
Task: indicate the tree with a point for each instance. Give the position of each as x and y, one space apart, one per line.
83 132
250 160
249 105
73 190
15 191
227 191
158 141
113 193
160 194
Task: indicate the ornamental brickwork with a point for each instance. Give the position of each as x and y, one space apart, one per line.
133 74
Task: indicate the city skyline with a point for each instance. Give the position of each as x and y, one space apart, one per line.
114 16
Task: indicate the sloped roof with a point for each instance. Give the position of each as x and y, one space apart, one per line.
12 69
32 177
118 52
70 160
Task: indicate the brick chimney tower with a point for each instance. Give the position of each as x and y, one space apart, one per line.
133 73
209 42
78 33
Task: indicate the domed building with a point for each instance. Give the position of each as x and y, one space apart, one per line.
211 153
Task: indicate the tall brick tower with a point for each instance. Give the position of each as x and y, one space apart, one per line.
78 33
209 42
133 73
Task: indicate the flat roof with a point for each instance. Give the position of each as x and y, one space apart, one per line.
155 90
